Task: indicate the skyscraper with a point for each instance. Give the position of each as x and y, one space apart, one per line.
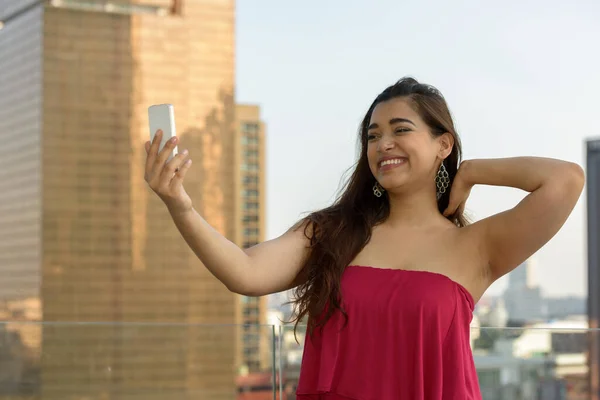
523 297
593 247
250 141
81 233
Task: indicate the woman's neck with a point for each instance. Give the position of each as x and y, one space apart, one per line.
414 209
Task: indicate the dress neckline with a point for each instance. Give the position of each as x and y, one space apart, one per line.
461 287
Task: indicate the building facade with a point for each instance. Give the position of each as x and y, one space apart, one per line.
523 297
83 236
255 337
593 248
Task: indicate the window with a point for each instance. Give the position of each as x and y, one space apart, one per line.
250 351
249 140
251 231
250 218
251 153
251 338
250 167
250 311
250 205
249 244
250 193
251 179
249 300
250 128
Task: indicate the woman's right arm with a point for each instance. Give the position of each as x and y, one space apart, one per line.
266 268
269 267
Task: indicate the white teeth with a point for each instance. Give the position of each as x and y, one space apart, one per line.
393 161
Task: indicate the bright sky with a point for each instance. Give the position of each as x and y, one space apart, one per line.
521 78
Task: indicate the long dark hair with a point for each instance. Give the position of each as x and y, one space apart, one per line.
339 232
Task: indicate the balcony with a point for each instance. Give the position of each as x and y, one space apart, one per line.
202 361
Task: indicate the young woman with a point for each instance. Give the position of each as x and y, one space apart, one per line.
389 274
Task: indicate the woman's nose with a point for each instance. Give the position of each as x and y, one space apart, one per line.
386 143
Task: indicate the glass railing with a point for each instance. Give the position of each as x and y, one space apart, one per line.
108 361
89 361
533 363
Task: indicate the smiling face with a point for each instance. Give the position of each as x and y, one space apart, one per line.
401 149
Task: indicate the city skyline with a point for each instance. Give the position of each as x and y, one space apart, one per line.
520 80
103 298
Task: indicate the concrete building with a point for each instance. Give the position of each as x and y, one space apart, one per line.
80 230
543 361
523 297
593 249
256 338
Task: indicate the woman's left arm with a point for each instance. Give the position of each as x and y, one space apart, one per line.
509 238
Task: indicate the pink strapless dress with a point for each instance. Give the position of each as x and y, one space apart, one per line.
407 338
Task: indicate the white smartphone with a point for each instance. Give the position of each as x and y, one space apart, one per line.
162 116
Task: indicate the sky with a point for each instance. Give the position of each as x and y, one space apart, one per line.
521 79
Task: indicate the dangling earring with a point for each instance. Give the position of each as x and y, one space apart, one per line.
378 189
442 181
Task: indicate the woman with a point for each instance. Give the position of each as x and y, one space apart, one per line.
388 275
